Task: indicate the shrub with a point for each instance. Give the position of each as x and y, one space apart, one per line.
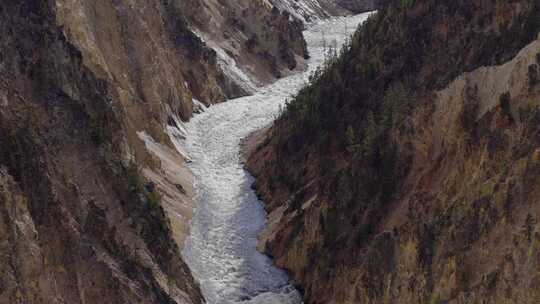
533 75
504 100
153 199
352 141
133 178
371 137
406 4
395 105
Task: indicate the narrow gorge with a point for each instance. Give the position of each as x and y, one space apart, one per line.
221 249
269 151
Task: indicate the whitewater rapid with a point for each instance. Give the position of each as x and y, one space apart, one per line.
221 249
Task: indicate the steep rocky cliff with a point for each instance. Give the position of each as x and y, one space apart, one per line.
309 10
94 194
79 224
408 171
155 49
254 40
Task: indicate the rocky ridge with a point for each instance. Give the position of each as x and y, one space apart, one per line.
425 190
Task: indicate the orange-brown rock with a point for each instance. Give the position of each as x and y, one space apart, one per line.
79 224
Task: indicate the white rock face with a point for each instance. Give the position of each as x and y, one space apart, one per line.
221 249
490 82
304 10
313 10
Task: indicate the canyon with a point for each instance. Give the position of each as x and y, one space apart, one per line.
208 151
221 249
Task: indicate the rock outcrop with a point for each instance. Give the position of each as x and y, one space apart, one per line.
310 10
255 41
408 171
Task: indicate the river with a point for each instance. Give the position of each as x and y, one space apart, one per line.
221 249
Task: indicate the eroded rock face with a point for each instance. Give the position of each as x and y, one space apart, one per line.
262 41
310 10
458 221
147 51
79 223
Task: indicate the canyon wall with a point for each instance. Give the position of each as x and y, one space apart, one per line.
408 171
79 222
94 194
255 41
311 10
